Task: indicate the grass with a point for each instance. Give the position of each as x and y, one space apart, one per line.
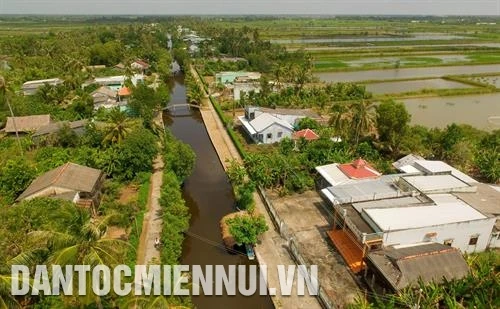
135 234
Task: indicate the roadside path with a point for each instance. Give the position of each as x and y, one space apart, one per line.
153 220
271 250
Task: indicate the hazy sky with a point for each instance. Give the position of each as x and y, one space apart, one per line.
332 7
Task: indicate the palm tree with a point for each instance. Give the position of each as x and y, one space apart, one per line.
118 128
158 302
4 95
82 244
362 118
7 300
339 117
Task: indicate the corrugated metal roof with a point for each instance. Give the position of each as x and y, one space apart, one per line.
333 175
364 191
27 123
264 121
434 167
406 160
433 183
429 262
446 209
70 176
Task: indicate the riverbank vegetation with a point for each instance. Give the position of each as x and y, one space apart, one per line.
121 143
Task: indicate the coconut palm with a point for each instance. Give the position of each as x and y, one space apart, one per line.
160 301
339 117
119 127
5 98
82 244
7 300
362 118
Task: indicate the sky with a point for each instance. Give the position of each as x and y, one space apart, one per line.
200 7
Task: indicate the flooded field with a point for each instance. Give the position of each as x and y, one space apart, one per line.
414 85
406 73
416 37
383 61
397 47
490 80
480 111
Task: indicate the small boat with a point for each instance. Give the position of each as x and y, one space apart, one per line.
250 252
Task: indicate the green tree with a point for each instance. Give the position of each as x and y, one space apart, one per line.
66 137
362 119
307 123
119 127
392 121
488 162
246 229
15 177
84 244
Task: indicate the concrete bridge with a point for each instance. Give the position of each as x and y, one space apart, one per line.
172 107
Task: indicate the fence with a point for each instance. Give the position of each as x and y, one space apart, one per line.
293 246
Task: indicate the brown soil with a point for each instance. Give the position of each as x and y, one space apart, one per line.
128 194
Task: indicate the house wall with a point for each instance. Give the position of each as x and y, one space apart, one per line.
48 191
274 130
460 232
494 240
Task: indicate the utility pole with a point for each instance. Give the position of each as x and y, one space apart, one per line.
3 91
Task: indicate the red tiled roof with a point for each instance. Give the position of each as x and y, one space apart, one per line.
125 91
308 134
144 64
359 169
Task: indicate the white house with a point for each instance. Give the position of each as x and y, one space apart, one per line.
434 203
266 128
116 82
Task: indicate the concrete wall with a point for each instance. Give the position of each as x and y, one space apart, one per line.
245 88
460 233
495 240
274 130
49 191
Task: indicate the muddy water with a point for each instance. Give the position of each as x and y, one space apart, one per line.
480 111
414 85
406 73
209 197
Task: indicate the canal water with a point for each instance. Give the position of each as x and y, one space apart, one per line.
209 197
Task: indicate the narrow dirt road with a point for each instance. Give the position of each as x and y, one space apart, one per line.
153 221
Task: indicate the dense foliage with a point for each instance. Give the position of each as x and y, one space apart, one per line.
246 229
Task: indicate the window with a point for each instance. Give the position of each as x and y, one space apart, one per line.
280 134
473 240
269 135
448 242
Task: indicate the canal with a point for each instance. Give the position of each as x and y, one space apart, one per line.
209 197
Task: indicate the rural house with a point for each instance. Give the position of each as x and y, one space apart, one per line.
397 267
140 66
72 182
26 124
266 128
48 131
104 97
435 204
31 87
290 115
231 76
